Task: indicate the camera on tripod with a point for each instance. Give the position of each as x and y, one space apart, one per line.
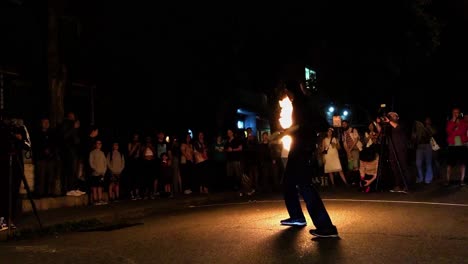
382 112
17 133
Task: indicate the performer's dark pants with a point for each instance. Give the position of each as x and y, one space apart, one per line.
297 182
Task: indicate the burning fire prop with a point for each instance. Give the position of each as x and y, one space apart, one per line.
285 120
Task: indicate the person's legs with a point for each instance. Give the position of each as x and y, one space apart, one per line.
292 202
99 193
94 194
317 211
451 162
343 178
332 178
111 191
428 162
419 163
462 174
117 188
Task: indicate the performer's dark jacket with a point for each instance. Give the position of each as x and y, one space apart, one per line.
302 159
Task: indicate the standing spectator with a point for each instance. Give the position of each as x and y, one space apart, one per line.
353 145
186 164
267 178
250 159
115 164
233 148
174 157
218 156
166 174
149 169
456 129
421 139
70 142
133 170
435 154
45 153
98 164
202 169
332 164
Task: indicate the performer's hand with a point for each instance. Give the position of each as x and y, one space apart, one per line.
275 135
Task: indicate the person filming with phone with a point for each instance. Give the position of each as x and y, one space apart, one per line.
457 153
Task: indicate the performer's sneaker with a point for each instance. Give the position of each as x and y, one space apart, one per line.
330 232
294 222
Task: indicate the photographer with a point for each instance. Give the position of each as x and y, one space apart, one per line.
397 151
13 141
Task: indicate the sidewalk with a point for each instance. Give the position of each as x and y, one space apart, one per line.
64 219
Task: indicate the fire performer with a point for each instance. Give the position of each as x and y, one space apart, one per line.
302 166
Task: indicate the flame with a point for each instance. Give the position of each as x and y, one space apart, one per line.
285 119
286 140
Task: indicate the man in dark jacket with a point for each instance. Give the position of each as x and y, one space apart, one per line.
397 152
302 164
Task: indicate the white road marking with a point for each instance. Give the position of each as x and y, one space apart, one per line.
338 200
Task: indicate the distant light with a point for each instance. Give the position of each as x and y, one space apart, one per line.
167 139
190 133
240 124
331 109
244 111
345 113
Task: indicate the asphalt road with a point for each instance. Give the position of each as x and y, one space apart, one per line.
371 231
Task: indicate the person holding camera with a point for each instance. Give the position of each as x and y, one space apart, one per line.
397 151
457 139
331 159
13 141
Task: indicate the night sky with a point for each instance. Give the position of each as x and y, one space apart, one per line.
363 53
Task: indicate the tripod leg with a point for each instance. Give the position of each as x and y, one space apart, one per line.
10 193
380 165
395 155
379 172
28 192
